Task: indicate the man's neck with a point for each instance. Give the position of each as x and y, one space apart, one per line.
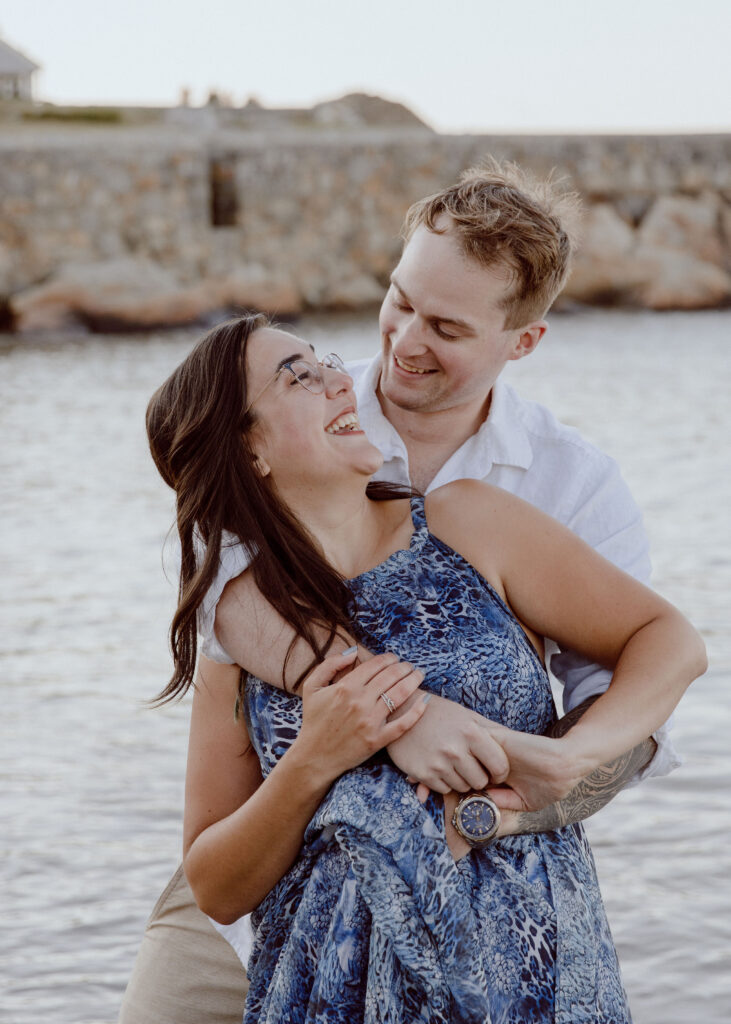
431 438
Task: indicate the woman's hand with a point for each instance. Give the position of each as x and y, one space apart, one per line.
346 722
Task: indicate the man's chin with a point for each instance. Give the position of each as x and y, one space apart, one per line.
407 398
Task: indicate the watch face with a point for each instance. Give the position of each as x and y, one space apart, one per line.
478 819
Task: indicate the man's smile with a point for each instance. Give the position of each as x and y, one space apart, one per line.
409 368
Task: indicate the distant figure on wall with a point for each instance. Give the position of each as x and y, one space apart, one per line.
482 263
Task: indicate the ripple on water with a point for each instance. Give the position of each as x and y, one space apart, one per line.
93 782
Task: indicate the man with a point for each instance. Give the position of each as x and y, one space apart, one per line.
481 265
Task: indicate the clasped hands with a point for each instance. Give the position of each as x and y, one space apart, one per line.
454 750
438 744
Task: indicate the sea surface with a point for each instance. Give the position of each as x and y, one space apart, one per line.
91 781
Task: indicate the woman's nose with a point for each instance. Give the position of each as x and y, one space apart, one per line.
336 381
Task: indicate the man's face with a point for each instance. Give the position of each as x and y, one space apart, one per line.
442 334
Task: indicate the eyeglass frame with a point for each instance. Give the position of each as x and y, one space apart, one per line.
318 379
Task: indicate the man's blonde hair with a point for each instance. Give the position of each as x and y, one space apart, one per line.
501 216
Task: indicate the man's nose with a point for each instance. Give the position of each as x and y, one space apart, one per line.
406 339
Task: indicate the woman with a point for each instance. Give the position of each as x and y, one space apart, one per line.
368 904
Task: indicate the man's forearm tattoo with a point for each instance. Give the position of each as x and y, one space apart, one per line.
593 792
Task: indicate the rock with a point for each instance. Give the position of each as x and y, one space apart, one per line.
251 286
673 261
358 291
726 229
121 294
604 270
358 109
6 271
674 280
685 224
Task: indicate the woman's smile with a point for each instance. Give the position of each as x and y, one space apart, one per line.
344 423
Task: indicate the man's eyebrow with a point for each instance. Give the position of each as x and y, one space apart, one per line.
435 318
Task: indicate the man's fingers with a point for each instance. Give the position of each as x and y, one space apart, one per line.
506 798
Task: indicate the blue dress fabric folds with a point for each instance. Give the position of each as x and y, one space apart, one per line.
375 922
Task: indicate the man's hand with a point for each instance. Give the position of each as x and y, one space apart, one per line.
530 801
449 748
524 806
540 774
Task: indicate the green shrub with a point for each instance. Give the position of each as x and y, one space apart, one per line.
88 115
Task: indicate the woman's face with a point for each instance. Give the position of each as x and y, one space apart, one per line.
305 439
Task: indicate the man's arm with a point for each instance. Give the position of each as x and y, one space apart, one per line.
589 795
605 515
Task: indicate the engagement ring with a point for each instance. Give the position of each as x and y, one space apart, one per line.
388 702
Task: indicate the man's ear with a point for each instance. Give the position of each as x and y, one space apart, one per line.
261 466
528 338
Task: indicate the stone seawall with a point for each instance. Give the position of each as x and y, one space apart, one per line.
118 227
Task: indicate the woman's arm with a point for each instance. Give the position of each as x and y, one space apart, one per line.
559 587
241 835
450 749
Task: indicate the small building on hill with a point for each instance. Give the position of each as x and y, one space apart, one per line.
16 72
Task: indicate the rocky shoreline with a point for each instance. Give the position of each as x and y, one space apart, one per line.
117 228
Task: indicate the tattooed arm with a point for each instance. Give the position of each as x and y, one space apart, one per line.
590 794
586 798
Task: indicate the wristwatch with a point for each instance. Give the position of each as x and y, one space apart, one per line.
477 819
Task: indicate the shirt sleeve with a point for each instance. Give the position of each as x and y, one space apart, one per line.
235 558
606 516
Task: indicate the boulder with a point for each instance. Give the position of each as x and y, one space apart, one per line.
251 286
674 260
121 294
6 271
354 292
604 270
687 224
674 280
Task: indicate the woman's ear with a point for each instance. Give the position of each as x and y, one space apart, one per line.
261 466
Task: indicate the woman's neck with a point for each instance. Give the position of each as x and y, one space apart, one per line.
351 529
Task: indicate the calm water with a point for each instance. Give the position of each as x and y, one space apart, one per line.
92 783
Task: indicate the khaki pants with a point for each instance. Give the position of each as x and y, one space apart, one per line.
185 972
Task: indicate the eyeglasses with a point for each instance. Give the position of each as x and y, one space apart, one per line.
307 374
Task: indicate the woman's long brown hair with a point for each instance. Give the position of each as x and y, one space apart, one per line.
199 439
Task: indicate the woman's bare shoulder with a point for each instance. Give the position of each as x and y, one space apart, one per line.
467 503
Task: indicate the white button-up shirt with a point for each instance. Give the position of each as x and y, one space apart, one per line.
522 448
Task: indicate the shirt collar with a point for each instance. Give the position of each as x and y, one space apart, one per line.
380 431
502 439
503 434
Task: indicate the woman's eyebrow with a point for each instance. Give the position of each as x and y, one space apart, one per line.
290 359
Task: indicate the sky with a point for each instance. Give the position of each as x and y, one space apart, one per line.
463 65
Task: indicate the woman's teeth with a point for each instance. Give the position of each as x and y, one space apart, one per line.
343 424
409 369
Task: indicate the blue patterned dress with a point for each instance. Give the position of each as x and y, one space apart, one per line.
375 922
